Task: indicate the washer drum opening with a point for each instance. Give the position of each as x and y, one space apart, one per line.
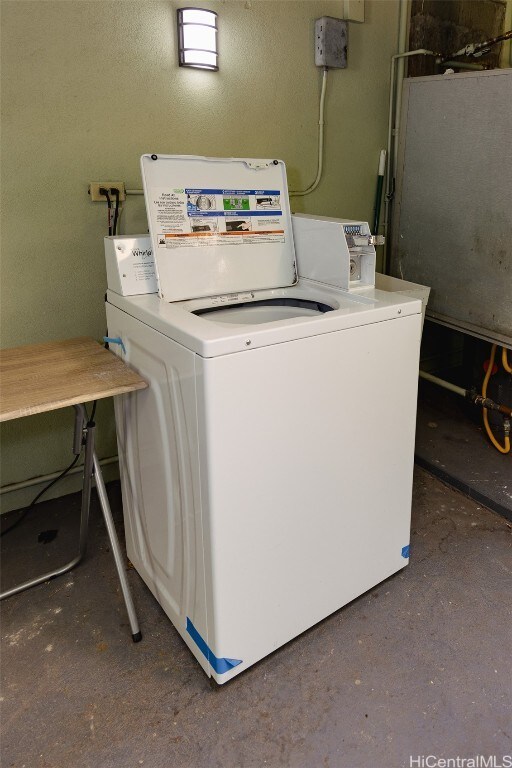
264 311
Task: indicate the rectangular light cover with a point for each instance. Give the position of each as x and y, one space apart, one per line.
197 38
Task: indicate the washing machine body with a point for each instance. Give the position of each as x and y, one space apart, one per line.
268 485
267 469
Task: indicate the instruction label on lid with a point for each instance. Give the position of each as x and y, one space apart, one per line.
218 225
192 217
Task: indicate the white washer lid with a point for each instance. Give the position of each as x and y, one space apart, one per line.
218 225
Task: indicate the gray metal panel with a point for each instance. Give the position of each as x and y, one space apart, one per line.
452 225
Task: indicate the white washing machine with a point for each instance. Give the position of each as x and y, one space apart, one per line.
267 469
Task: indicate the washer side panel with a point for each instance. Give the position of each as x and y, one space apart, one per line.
158 455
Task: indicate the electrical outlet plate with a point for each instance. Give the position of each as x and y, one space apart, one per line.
95 186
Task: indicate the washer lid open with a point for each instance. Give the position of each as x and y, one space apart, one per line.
218 225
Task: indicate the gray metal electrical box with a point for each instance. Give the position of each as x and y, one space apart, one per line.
331 39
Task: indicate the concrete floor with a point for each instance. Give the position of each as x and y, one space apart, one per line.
452 444
420 665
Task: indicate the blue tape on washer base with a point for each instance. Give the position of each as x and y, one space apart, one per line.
405 551
219 665
116 340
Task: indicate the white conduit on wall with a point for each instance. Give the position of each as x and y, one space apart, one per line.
314 185
316 182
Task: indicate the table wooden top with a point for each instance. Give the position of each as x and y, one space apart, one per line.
44 377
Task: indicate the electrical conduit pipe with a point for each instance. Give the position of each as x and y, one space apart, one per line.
314 185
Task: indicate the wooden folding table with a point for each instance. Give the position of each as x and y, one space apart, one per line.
45 377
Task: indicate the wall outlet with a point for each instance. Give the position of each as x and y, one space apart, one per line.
94 190
331 42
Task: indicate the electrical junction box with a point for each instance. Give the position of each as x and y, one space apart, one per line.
130 264
331 39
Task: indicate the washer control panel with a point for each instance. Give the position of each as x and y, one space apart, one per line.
336 252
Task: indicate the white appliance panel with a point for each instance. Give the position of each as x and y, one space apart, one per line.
158 456
130 264
326 251
286 489
306 481
218 225
210 338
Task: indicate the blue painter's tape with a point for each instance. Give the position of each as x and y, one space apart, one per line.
405 551
219 665
117 340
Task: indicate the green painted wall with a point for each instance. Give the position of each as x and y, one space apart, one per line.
87 87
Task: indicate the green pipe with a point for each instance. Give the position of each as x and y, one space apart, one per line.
462 65
378 192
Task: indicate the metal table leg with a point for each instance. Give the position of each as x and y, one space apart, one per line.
81 430
116 550
84 435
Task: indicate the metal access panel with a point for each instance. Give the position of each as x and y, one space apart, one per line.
452 223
